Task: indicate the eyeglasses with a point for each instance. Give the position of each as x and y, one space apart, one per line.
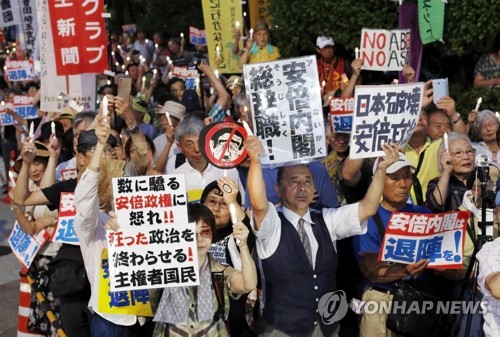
205 233
490 125
211 203
461 153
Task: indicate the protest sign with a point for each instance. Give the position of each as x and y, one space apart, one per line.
79 36
26 246
219 17
411 237
341 114
197 37
22 105
133 302
29 35
155 246
81 88
286 108
222 144
188 74
20 70
384 50
64 232
383 113
10 14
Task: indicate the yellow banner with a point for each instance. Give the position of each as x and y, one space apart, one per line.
259 12
219 17
133 302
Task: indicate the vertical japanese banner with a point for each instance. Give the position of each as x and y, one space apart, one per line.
64 232
431 20
29 33
155 246
219 17
341 114
384 50
287 110
259 12
79 36
10 14
26 246
410 238
82 88
20 70
383 113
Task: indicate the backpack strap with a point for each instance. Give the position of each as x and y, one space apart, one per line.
218 284
417 187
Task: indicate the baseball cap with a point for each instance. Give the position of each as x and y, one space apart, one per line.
402 162
323 41
174 109
261 26
88 139
233 81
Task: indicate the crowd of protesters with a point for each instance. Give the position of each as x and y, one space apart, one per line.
301 231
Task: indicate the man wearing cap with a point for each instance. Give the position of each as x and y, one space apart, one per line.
142 117
258 49
164 143
380 277
297 245
66 119
235 84
330 65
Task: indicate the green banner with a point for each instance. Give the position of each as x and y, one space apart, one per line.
431 20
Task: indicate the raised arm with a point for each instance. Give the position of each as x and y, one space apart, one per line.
448 104
255 180
368 206
49 176
436 195
246 280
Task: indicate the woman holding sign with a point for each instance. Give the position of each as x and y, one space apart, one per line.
203 310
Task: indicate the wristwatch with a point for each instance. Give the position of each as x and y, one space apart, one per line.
134 129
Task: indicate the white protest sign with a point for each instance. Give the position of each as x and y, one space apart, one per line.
382 114
384 50
26 246
287 110
22 105
20 70
411 237
155 246
65 228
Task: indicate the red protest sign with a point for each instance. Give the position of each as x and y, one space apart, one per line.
222 144
79 36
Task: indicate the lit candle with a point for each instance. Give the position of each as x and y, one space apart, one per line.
445 137
128 58
244 14
113 54
126 73
108 82
247 128
117 64
237 25
217 51
216 73
234 218
143 82
53 128
251 33
323 84
356 52
155 72
182 35
169 121
32 132
105 109
225 173
478 104
498 115
156 45
123 67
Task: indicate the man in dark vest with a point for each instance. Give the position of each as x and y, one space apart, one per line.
297 246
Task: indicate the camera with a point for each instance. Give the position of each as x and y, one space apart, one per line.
483 167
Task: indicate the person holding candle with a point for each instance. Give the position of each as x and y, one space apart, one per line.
445 192
257 48
330 65
486 128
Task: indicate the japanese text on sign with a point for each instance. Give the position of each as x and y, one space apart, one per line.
10 14
411 237
286 108
382 114
26 246
79 36
341 114
65 228
20 70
